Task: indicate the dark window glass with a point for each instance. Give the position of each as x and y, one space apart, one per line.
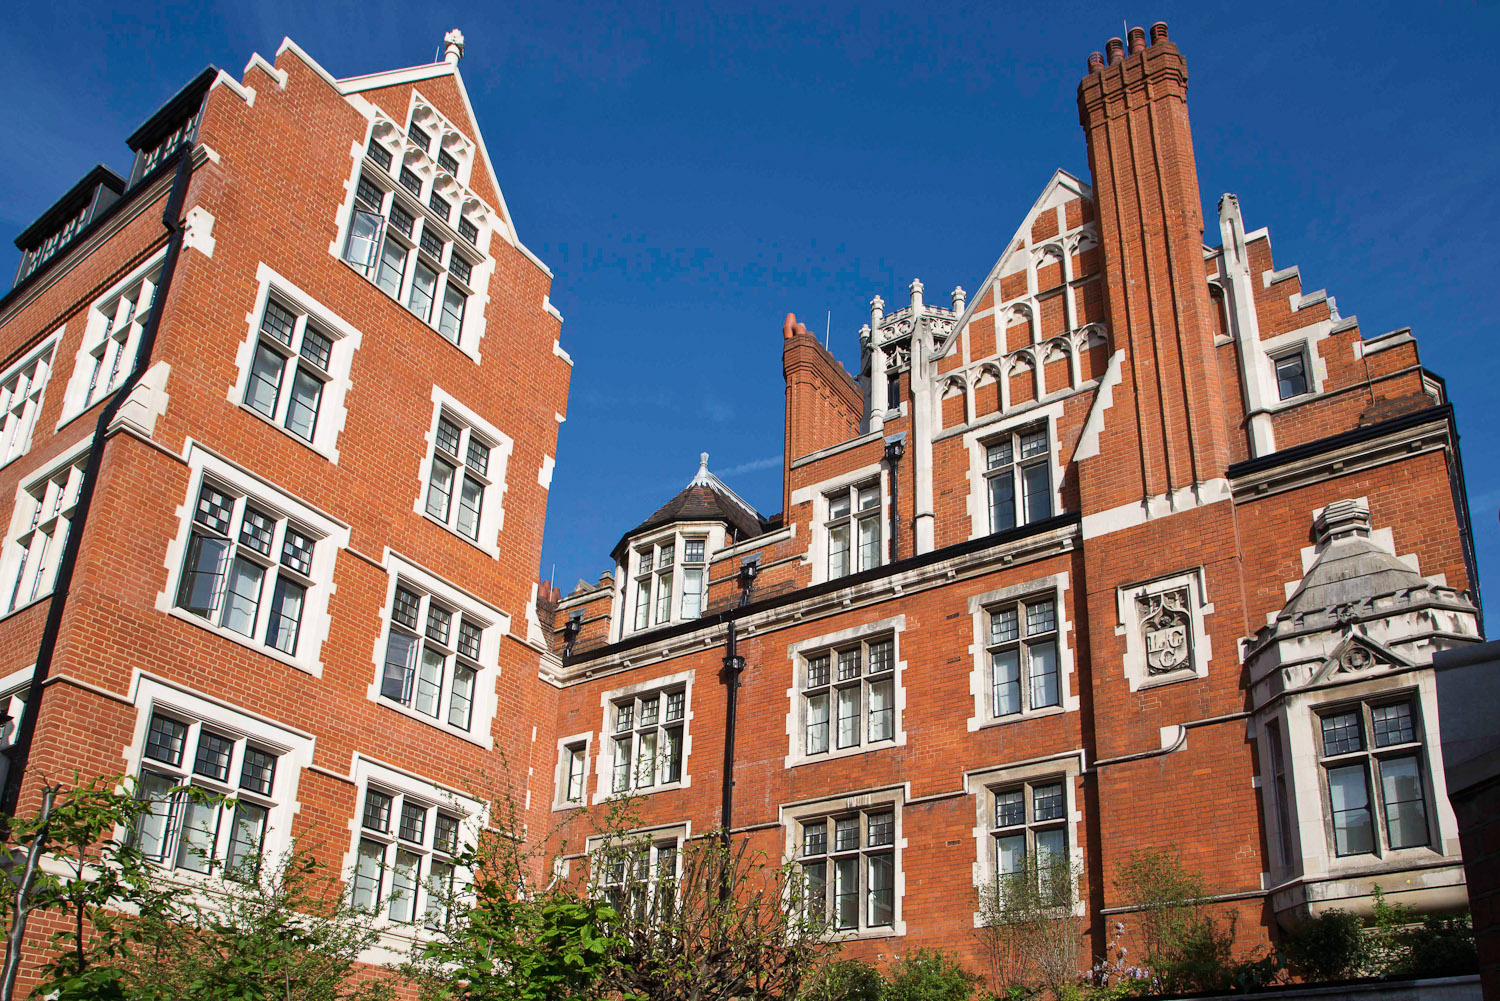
447 162
297 551
1291 376
316 348
258 771
380 155
405 609
1341 733
460 268
445 834
410 181
440 205
1393 724
212 759
402 219
439 623
478 457
468 230
377 811
1047 802
882 829
1010 808
214 509
413 822
164 739
256 530
420 136
430 244
447 436
468 639
368 193
278 322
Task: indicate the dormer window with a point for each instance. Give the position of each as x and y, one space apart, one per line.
674 568
419 136
853 529
446 161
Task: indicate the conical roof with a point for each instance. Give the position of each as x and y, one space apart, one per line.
1351 568
705 498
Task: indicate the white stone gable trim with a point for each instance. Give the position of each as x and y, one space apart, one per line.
95 325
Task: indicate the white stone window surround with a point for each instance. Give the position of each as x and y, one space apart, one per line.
15 688
677 834
396 937
560 799
294 749
346 339
20 524
604 760
1312 837
492 510
494 622
713 535
1129 626
1304 340
97 324
1054 586
796 717
794 816
975 441
817 528
383 129
331 536
982 783
17 429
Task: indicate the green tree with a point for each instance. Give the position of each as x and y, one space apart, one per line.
1028 931
845 980
931 975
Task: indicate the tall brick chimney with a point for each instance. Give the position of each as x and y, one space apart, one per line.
823 403
1133 108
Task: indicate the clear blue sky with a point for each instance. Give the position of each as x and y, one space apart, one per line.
691 178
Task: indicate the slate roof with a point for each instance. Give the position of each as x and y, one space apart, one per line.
705 498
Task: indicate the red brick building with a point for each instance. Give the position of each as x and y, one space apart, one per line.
281 409
1141 545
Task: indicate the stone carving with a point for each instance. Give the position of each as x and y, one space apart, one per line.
1166 627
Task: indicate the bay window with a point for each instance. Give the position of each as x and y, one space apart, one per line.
1374 776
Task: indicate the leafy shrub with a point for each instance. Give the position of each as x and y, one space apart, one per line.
1330 946
845 980
1403 943
930 975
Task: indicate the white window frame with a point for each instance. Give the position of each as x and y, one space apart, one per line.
674 541
647 843
1199 607
982 785
976 440
1299 353
581 745
796 718
15 689
1054 587
816 497
332 414
45 522
16 428
605 760
1304 340
294 750
1015 471
77 399
495 624
384 133
794 818
492 506
330 536
434 798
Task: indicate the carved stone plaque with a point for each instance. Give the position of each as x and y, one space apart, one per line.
1166 627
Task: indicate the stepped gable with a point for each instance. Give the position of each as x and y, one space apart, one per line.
705 498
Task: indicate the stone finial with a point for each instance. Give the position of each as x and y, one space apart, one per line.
1158 32
864 334
1114 50
916 294
959 298
702 475
877 311
1343 519
1137 39
453 46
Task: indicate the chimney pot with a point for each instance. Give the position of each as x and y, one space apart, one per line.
1096 61
1114 50
1137 36
1158 32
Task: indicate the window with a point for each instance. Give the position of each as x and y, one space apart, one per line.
459 476
636 874
1018 480
853 521
405 246
226 827
658 577
114 335
1030 835
291 365
404 865
849 869
248 569
1372 767
1291 375
575 758
39 532
647 735
1279 790
1022 647
21 401
849 696
432 657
